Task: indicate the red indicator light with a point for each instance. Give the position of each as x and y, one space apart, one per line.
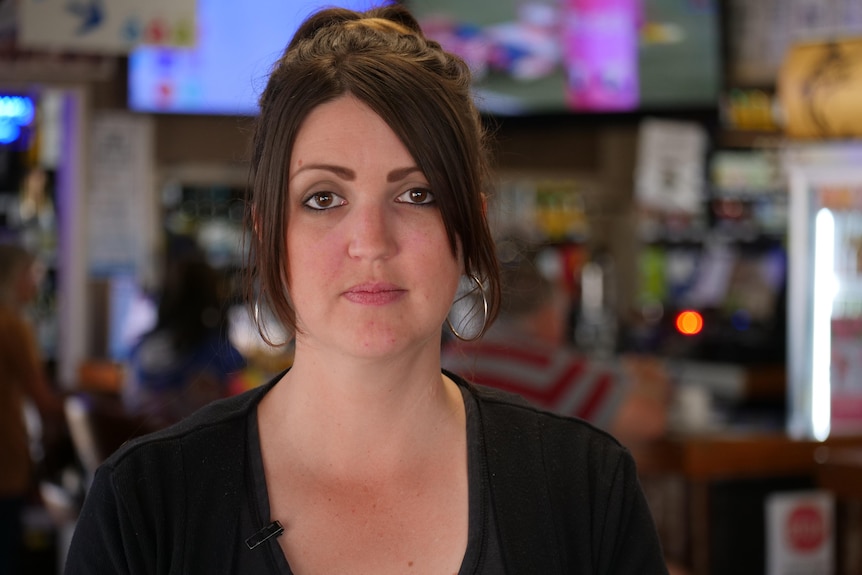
689 322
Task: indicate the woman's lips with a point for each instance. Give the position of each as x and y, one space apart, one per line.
374 293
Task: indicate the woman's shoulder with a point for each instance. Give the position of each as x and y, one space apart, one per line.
509 417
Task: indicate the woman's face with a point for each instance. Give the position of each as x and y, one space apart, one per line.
371 270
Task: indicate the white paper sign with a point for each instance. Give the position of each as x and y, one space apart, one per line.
800 537
107 26
121 200
670 169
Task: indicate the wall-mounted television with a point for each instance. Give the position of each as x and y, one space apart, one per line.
571 56
528 56
226 70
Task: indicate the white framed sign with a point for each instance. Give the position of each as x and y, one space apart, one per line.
106 26
800 533
669 176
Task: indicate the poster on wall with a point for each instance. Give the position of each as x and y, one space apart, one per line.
844 202
670 167
800 534
120 205
105 26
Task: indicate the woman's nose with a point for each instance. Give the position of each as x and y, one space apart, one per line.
373 235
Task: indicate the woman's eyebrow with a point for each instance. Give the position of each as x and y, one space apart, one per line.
401 173
348 174
340 171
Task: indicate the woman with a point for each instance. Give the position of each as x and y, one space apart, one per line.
22 376
367 171
186 360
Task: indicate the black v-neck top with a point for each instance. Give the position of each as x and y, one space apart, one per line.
565 496
481 557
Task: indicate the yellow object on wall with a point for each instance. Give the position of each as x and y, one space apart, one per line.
820 89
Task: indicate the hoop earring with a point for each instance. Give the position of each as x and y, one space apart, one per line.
481 289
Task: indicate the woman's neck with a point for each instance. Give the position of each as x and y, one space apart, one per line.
361 413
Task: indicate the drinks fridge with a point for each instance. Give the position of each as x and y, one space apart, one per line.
825 292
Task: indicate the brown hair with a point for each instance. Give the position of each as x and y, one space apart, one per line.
422 92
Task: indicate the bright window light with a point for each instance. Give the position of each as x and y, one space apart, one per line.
824 293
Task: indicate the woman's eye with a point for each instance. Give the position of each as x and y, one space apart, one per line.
418 196
323 201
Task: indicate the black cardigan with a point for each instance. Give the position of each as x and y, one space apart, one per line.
565 494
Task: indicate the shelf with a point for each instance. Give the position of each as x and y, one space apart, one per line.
750 139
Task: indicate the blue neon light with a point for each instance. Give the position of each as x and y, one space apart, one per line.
9 131
15 113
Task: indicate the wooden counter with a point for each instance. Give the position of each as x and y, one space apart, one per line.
841 472
707 491
735 455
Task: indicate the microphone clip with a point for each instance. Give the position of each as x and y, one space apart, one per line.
274 529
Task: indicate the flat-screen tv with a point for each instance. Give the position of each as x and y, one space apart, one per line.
223 74
529 57
569 56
